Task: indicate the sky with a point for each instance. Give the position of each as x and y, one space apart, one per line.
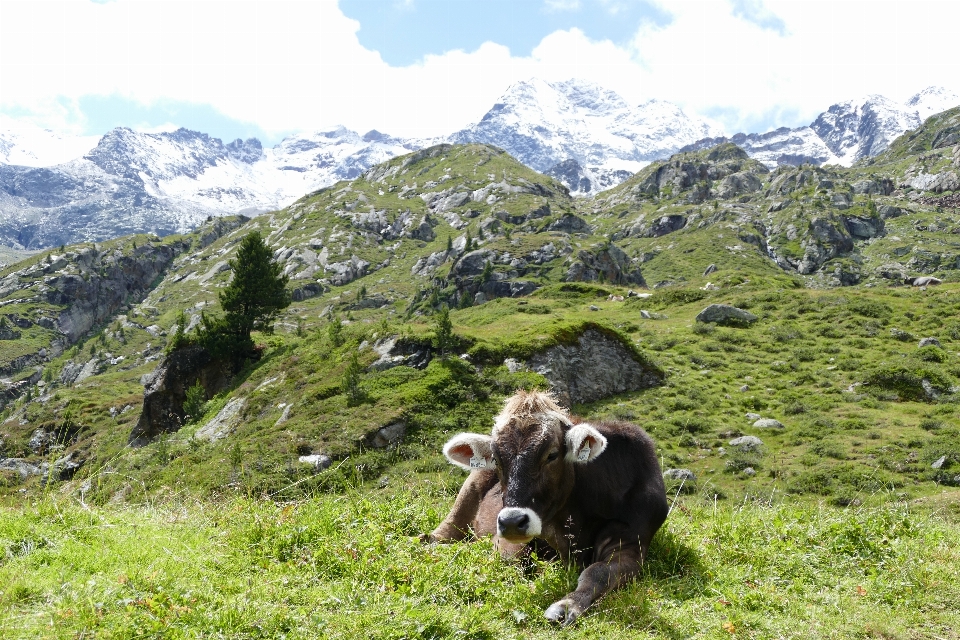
424 68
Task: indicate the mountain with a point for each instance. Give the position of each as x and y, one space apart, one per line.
24 144
59 189
843 134
544 124
782 146
133 182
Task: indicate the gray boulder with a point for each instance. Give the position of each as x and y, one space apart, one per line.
569 223
768 423
863 228
724 314
222 424
318 461
738 184
664 225
347 271
747 443
597 366
888 211
680 474
928 342
19 466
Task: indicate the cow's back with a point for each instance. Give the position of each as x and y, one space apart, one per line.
624 484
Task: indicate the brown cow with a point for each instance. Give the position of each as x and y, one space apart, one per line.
592 492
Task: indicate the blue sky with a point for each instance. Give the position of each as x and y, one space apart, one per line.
405 32
423 68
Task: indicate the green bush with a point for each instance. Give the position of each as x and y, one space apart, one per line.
932 353
195 402
907 380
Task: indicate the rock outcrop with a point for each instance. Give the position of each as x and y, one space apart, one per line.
597 366
166 390
610 264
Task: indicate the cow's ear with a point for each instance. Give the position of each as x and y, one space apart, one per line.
584 443
470 451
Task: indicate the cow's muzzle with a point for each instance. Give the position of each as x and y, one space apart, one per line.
518 525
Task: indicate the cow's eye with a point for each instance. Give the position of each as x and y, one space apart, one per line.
553 456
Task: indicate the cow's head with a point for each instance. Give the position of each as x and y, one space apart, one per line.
534 447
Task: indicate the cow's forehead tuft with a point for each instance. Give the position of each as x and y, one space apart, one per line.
529 413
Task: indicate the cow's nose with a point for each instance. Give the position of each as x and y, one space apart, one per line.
513 521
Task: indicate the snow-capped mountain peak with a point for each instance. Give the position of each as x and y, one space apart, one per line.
544 124
25 144
933 100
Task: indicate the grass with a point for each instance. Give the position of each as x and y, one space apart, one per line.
348 566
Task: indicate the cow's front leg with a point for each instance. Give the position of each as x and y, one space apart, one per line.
457 523
597 579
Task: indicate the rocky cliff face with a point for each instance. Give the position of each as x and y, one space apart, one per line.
67 294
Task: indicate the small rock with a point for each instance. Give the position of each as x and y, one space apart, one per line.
645 314
939 462
513 365
725 314
747 443
710 270
319 461
768 423
928 342
721 451
594 307
749 472
680 474
753 416
745 387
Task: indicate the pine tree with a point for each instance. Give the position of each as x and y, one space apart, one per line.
444 340
251 301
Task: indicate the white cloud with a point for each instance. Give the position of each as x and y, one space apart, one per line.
297 64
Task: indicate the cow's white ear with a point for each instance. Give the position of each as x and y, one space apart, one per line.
470 451
584 443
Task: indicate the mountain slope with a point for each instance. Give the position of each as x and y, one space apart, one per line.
524 268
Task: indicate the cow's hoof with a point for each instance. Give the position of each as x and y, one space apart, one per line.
564 612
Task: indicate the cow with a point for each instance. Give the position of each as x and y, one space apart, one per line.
593 492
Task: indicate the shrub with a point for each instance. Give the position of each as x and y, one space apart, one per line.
902 336
932 353
907 381
869 308
195 402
